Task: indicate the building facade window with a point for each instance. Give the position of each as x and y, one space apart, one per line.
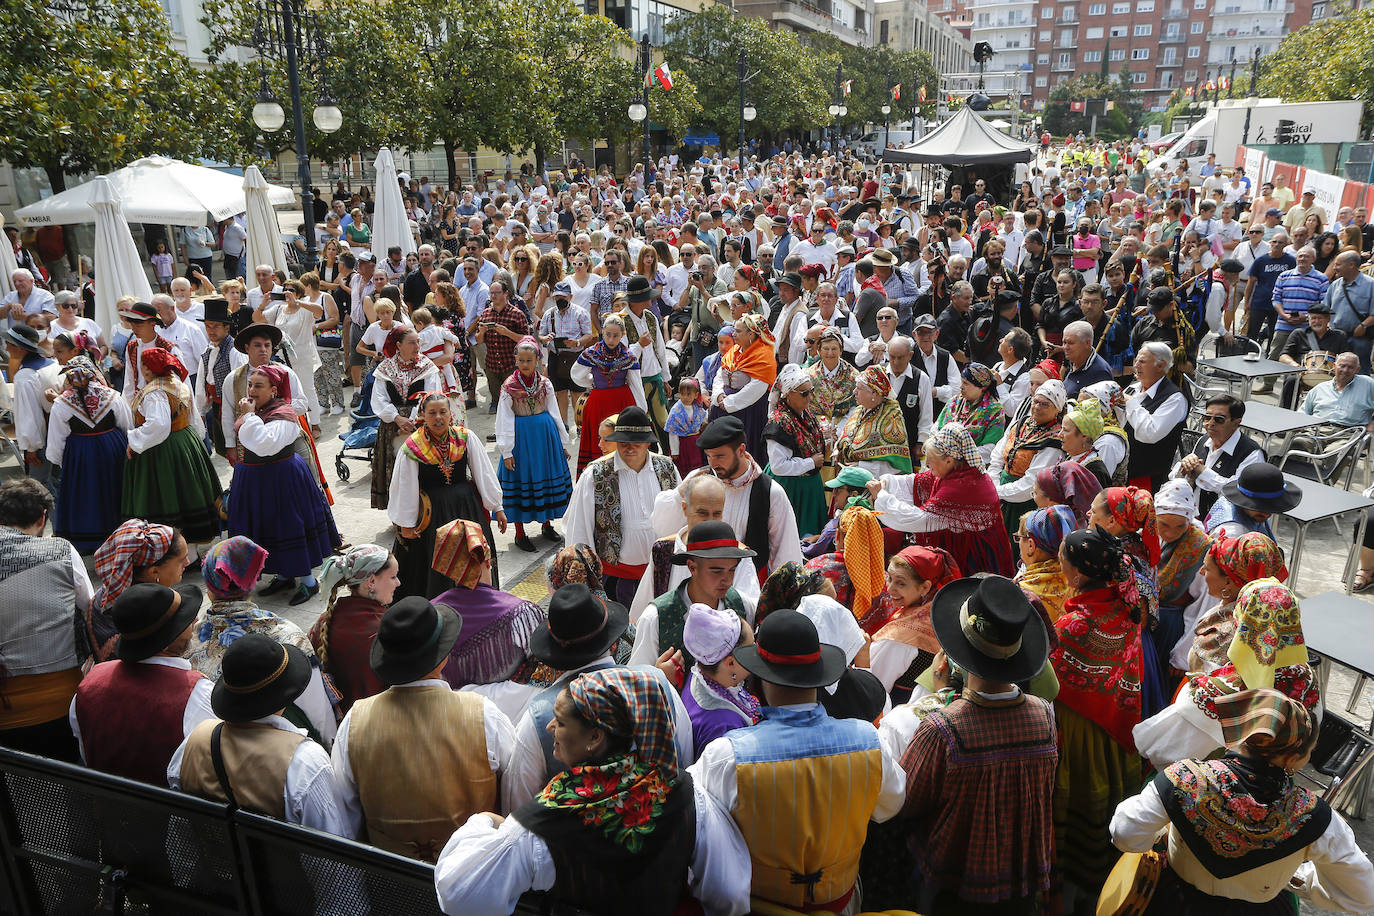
1190 76
1042 81
1195 28
1097 9
1140 54
1118 31
1094 34
1092 57
1142 30
1042 59
1045 34
1145 6
1117 54
1139 79
1194 51
1047 13
882 32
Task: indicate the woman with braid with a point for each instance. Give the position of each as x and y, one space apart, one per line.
343 635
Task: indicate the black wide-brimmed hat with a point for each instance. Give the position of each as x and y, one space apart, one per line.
581 627
21 335
413 638
254 331
150 617
140 311
1261 487
216 309
632 425
712 541
988 627
258 676
637 289
788 652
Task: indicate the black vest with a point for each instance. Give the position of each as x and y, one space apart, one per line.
1227 466
909 400
1154 459
941 376
756 529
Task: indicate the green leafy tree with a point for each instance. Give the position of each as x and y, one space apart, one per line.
1326 60
1060 118
873 73
98 86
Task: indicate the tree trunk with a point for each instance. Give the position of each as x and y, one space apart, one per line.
539 152
451 159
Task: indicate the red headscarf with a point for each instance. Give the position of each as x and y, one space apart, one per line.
393 340
158 362
1247 558
1049 367
1134 509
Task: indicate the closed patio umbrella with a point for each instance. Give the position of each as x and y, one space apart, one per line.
119 269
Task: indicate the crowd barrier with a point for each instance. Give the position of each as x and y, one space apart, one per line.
75 841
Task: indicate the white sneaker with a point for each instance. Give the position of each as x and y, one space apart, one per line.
336 410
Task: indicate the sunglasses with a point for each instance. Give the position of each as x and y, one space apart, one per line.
887 317
67 305
806 394
519 260
1210 418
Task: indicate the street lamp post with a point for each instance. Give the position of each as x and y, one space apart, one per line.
747 111
837 108
282 31
639 111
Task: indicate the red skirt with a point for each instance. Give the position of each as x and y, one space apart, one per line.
601 403
688 457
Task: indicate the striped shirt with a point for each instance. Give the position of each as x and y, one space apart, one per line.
1295 292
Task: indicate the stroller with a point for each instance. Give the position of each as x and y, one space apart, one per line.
361 437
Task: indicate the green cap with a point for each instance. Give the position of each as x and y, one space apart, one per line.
850 477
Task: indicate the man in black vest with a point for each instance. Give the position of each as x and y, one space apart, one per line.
1220 455
911 390
1155 413
936 363
1318 335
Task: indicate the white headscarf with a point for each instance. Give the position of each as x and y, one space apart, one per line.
1176 497
835 625
790 378
1053 391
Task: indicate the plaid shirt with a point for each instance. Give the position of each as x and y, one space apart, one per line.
500 348
604 293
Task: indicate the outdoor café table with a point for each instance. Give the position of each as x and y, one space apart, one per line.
1270 421
1250 369
1320 501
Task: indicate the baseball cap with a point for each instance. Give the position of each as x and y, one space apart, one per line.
923 321
366 256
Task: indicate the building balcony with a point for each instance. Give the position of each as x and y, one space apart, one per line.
1171 38
982 4
1063 68
1168 63
1169 15
1245 34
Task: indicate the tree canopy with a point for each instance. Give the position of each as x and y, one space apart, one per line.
1328 60
1092 89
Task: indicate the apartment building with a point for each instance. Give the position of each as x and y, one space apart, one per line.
851 21
912 25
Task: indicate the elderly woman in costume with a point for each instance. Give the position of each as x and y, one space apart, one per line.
1099 666
532 442
87 440
715 695
904 643
443 473
1242 836
168 477
400 379
952 504
1229 564
746 373
835 378
1042 532
610 373
874 436
136 551
343 634
797 448
621 831
274 500
1082 426
1111 444
1183 593
1067 484
1267 650
977 409
231 568
855 569
1031 445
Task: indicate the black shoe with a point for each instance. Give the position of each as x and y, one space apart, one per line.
357 399
491 409
304 593
470 404
548 532
279 584
525 544
491 437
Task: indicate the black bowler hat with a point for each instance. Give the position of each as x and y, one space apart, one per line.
254 331
216 309
1261 487
638 290
788 652
21 335
258 676
413 637
632 425
712 541
580 628
1008 297
721 431
988 627
150 617
141 311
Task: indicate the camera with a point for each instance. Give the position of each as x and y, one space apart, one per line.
277 296
696 275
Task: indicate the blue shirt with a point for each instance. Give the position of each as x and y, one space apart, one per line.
1296 292
1265 270
1353 406
1096 370
1350 303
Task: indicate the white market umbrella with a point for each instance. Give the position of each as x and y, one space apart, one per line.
154 189
389 223
264 234
119 268
8 265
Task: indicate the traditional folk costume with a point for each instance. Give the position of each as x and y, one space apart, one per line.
212 377
35 374
1071 485
794 439
343 635
684 425
710 635
87 440
1267 651
1104 424
663 575
1024 451
1250 557
1182 589
639 841
653 361
1100 668
875 438
1241 836
984 419
134 375
904 645
454 477
856 570
169 478
274 500
414 762
741 385
397 388
834 397
1133 509
1045 580
530 430
612 379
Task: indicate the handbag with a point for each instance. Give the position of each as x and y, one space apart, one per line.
1132 882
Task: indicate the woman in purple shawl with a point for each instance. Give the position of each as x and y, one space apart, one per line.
715 696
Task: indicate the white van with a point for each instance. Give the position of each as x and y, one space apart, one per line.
875 141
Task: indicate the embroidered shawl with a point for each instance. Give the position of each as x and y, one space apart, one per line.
608 363
1046 581
1180 561
606 486
1297 682
876 435
800 433
687 421
1099 662
834 395
420 447
967 497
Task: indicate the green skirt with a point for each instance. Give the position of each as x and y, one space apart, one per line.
173 483
1095 775
807 495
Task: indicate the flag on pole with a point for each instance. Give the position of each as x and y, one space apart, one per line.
897 92
1226 82
921 94
1188 92
1211 85
664 75
1076 106
847 84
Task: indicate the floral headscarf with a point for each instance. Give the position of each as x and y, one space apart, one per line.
953 441
1134 509
790 378
86 390
785 587
977 417
875 380
863 557
1048 527
978 374
1110 398
231 568
1249 557
1070 484
576 563
1269 634
353 566
1101 555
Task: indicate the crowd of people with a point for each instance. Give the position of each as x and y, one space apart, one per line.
893 549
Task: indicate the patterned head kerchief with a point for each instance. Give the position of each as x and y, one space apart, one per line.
1249 557
1101 556
978 374
231 567
157 362
863 557
1133 508
1070 484
831 333
1053 391
1268 632
1176 497
576 563
953 441
133 544
875 380
756 324
88 391
1047 528
786 586
791 377
1110 398
629 703
353 567
1049 367
459 550
1087 418
1263 723
932 565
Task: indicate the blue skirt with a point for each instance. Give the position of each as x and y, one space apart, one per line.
282 509
539 488
93 482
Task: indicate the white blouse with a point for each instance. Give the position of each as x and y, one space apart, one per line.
896 503
267 439
404 506
157 422
505 419
385 410
59 423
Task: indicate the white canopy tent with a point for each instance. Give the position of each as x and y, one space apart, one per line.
119 269
154 189
8 263
389 223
